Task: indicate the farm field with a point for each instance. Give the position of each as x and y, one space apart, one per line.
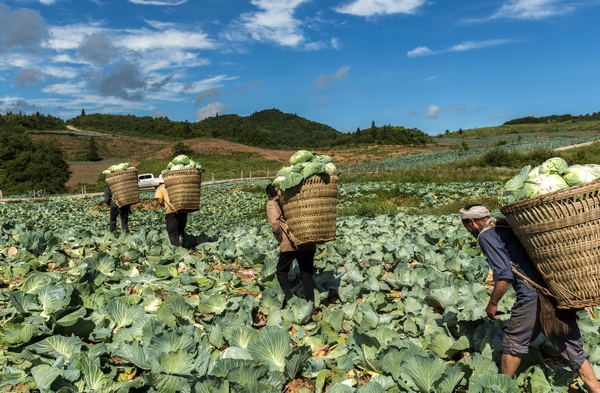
151 155
401 294
226 160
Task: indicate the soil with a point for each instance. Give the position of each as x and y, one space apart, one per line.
117 149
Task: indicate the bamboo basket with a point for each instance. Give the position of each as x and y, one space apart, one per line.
561 234
310 209
124 187
183 187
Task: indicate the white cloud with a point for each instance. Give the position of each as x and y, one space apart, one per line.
532 9
143 40
60 72
210 110
70 37
324 81
16 60
335 43
376 7
470 45
462 47
433 111
420 51
158 2
275 22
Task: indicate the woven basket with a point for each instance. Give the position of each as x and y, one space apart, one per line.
183 187
310 209
124 187
561 234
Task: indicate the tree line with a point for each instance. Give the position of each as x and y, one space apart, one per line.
554 119
267 129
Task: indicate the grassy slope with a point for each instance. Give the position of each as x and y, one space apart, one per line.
223 159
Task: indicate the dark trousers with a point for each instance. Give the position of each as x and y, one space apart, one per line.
124 213
176 223
306 265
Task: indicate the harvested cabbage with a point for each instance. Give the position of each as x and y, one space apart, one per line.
181 159
513 188
182 162
579 174
310 168
303 164
553 165
330 168
543 184
552 175
301 156
117 168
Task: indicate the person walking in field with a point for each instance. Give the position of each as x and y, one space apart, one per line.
176 221
503 251
288 251
116 211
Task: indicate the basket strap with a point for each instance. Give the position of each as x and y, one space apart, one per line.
492 223
171 206
287 232
531 283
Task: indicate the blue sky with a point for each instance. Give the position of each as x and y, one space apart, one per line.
434 65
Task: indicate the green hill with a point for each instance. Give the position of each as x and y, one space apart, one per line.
270 128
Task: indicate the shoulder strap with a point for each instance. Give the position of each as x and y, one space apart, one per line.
494 222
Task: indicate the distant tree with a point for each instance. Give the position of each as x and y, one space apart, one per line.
181 148
460 131
92 151
82 112
447 131
187 128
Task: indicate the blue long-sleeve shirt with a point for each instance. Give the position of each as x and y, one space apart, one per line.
501 246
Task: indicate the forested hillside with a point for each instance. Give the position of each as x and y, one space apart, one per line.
268 129
25 165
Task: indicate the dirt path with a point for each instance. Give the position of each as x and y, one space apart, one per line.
574 146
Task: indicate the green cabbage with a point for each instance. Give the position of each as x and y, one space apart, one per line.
330 168
555 165
304 164
311 168
284 171
513 189
277 181
291 180
579 174
181 159
543 184
182 162
301 156
323 159
117 168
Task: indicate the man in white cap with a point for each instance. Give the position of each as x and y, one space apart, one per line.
504 251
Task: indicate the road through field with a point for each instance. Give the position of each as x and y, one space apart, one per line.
574 146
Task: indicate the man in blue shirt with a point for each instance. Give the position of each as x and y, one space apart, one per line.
504 251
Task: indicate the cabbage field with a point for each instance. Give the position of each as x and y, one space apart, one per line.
401 296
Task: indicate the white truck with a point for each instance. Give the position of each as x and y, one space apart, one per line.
148 180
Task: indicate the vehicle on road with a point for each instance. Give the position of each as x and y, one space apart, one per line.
147 180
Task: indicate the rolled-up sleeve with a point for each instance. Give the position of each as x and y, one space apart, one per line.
497 255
